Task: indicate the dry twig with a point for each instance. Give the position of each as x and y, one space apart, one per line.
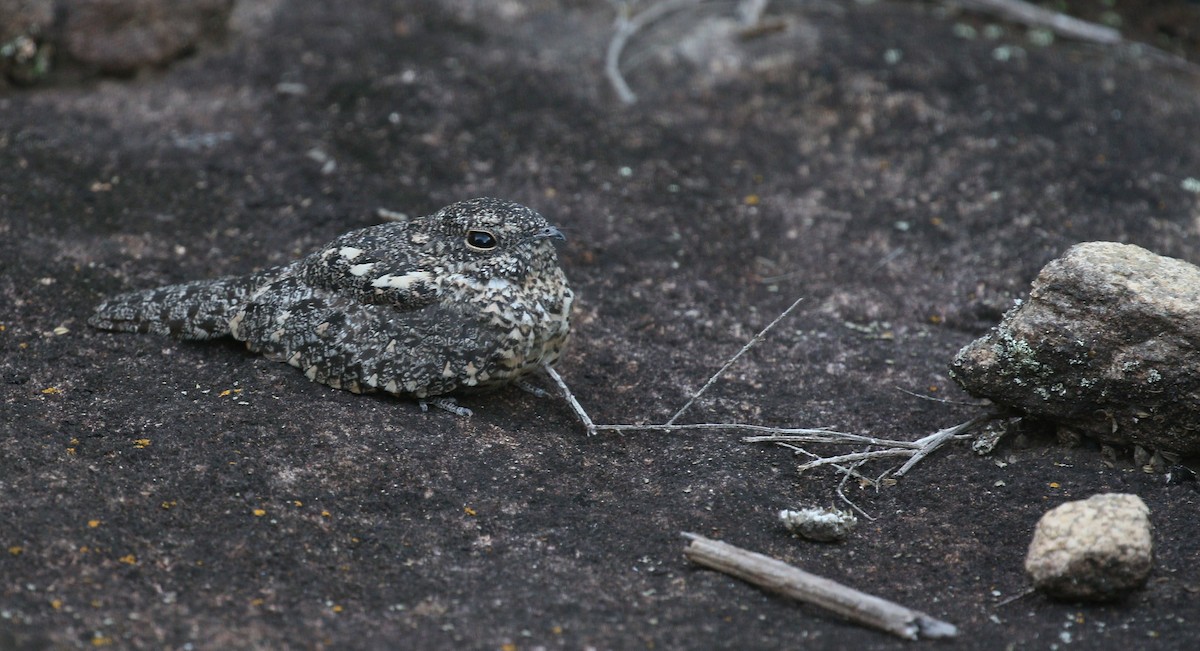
914 451
629 24
789 581
1035 16
750 344
626 27
1070 27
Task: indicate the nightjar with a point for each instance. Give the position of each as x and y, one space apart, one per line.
469 297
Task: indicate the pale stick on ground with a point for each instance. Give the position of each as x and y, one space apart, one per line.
1035 16
1070 27
789 581
629 23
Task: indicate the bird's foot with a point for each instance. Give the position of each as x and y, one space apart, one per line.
448 404
529 387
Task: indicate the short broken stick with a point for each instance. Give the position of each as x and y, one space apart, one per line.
789 581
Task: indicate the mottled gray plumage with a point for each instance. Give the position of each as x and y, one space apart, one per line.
471 296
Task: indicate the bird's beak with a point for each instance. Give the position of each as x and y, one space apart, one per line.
549 232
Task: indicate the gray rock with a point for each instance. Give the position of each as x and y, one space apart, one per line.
1096 549
1107 344
24 25
125 35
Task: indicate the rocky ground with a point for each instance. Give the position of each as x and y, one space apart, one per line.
905 168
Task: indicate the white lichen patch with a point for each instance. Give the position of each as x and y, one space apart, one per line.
819 523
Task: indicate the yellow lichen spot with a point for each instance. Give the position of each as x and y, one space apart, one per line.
128 559
936 319
751 200
56 604
15 550
92 524
324 513
258 513
141 444
936 221
557 630
2 328
297 503
337 608
60 331
23 345
168 504
258 601
95 603
70 450
83 549
469 511
101 640
1054 484
508 646
51 391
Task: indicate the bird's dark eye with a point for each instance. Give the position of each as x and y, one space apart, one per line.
481 240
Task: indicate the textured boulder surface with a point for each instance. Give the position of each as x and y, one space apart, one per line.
124 35
1108 343
1096 549
110 36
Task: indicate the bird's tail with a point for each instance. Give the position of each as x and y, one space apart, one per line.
195 310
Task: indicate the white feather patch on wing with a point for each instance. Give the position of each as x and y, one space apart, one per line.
405 281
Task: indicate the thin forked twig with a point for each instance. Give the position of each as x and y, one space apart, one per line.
749 344
1071 27
1035 16
570 397
914 451
853 470
827 436
935 440
627 26
858 456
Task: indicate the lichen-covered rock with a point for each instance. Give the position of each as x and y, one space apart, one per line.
24 26
1094 550
1107 344
818 523
124 35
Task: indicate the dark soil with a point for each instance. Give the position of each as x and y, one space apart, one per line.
906 181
